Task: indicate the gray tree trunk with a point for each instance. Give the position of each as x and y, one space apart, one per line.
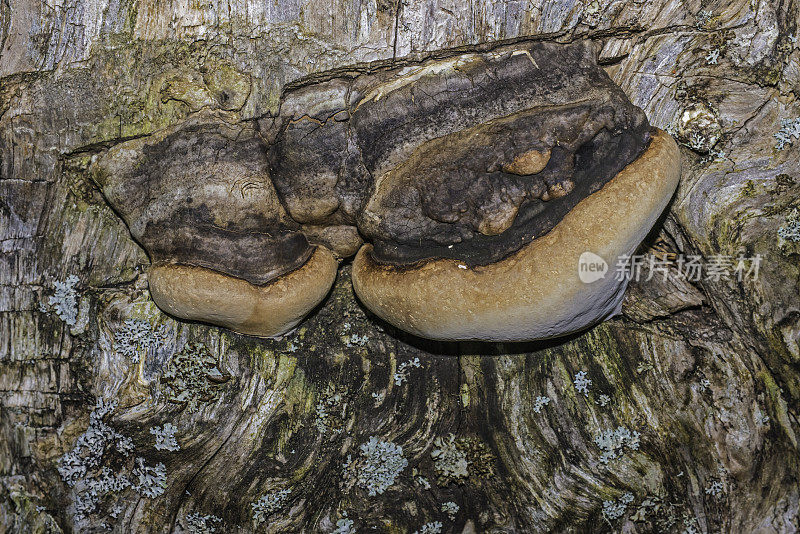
270 433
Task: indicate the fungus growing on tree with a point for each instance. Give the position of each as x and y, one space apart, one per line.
199 199
480 213
470 187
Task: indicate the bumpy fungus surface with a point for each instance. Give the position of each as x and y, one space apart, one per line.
477 181
535 293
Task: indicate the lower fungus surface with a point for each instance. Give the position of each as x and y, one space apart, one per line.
200 294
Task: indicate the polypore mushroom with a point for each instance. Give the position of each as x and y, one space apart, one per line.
493 176
478 181
199 199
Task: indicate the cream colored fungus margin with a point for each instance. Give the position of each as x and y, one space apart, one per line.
535 293
201 294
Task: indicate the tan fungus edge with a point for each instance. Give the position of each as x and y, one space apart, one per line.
200 294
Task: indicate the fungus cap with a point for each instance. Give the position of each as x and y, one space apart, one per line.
199 198
535 293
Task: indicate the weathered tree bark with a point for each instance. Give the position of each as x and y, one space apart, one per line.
700 378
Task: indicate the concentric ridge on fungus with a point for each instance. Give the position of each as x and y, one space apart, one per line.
476 182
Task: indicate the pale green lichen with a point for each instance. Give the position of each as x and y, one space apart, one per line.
451 509
790 130
269 503
137 337
613 442
152 480
790 231
449 460
613 510
87 468
65 300
712 58
93 444
539 403
193 376
81 468
330 410
403 369
380 464
355 340
344 526
202 524
321 422
165 437
705 19
715 489
434 527
690 526
582 383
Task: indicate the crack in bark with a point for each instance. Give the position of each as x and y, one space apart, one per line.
397 7
201 468
358 69
96 148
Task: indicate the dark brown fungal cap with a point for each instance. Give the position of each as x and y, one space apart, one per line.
316 165
468 157
200 194
452 198
474 158
307 153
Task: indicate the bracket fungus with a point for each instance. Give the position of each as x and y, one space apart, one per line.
467 188
198 197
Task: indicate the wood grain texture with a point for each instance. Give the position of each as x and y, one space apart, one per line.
707 372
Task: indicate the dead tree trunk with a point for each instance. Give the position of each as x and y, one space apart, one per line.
680 415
